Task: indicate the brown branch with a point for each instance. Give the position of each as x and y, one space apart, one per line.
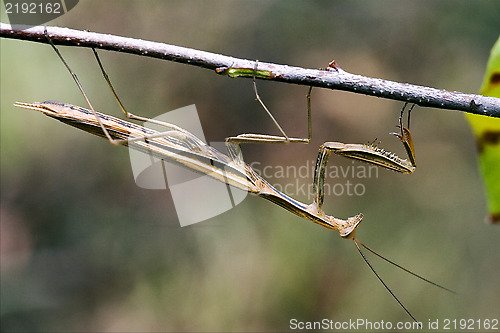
335 78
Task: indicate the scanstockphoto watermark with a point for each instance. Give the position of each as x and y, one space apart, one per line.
214 197
296 180
359 324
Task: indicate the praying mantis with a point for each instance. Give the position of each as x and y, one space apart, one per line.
179 146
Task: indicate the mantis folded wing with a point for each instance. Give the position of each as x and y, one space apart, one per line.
183 148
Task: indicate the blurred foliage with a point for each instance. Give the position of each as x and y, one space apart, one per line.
487 133
84 249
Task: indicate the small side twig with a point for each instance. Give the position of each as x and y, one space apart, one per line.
335 78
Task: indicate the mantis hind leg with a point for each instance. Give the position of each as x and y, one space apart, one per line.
264 138
173 130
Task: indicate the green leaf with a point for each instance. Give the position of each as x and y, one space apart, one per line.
487 133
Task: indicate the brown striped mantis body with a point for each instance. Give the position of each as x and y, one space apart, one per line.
179 146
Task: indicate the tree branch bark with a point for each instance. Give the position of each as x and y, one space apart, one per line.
335 78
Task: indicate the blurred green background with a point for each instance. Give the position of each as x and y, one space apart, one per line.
84 249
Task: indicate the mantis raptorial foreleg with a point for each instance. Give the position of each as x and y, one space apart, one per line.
368 153
372 154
